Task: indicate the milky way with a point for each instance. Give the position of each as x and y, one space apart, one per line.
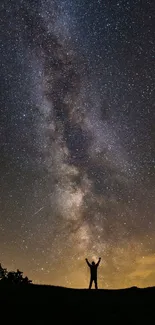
77 141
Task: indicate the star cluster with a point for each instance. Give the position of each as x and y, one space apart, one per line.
77 140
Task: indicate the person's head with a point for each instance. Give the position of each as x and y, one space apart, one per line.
93 263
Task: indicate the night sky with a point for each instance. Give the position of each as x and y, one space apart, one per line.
77 140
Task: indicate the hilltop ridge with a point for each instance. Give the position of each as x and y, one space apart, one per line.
129 305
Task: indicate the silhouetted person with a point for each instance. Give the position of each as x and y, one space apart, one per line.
93 272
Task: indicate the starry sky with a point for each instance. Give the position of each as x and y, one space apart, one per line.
77 149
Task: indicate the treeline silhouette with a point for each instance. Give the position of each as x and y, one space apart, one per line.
13 277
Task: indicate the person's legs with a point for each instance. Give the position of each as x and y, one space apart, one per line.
95 281
90 284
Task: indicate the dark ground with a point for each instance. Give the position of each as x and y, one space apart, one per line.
57 305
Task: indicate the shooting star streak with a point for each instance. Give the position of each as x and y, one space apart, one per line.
41 207
38 211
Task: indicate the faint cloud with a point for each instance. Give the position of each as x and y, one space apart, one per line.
144 269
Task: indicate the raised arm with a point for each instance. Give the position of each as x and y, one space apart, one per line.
98 261
87 262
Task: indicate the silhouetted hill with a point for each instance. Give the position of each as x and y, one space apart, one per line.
126 306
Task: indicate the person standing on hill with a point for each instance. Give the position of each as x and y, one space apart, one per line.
93 272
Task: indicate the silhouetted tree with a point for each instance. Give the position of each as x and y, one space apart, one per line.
10 277
13 277
26 280
17 278
3 273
